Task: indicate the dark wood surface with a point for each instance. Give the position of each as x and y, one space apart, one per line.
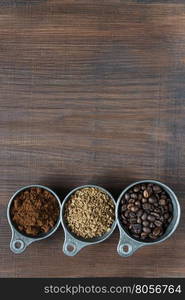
91 92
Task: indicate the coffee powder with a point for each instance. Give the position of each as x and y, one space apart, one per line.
34 211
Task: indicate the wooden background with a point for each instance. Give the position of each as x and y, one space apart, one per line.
91 92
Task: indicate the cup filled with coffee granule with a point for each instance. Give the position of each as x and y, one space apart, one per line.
88 217
33 214
148 212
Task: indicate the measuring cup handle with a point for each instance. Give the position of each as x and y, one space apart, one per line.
127 246
71 245
19 242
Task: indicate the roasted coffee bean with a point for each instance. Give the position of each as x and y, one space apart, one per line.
133 196
140 196
146 211
157 231
144 235
136 188
139 213
132 215
146 229
151 218
144 200
152 225
146 194
133 220
158 223
152 200
162 201
139 220
147 206
166 216
143 187
156 215
124 207
145 223
144 216
126 213
138 203
127 196
157 189
134 208
129 206
137 228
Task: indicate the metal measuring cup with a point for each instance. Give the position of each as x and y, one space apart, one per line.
20 241
130 243
72 243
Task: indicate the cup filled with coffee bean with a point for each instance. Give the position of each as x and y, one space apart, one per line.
33 214
147 213
87 217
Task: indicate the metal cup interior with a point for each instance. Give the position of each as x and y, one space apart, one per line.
128 244
73 243
19 240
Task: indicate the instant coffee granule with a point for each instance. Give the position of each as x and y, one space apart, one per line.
35 211
89 213
146 211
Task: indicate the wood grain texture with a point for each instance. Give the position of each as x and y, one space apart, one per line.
91 92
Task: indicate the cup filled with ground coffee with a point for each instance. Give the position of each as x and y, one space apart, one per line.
33 214
88 217
147 212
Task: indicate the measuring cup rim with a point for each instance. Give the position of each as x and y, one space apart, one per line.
87 241
172 196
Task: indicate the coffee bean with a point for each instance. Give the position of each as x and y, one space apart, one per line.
158 223
162 202
157 189
131 201
136 228
151 218
146 229
147 206
152 225
132 215
126 213
140 196
133 196
152 200
145 223
124 207
143 187
129 206
139 220
127 196
136 188
139 213
138 203
145 194
133 220
156 215
157 231
144 200
144 235
134 208
144 216
166 216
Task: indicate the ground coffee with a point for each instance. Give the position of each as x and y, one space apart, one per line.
35 211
